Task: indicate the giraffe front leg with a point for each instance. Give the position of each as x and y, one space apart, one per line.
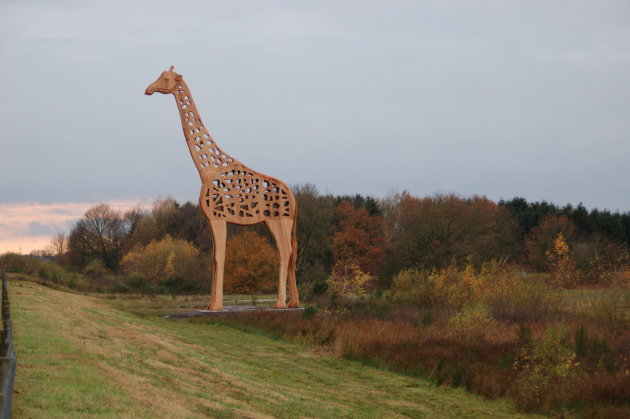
282 283
219 237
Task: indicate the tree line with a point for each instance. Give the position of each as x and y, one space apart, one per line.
169 247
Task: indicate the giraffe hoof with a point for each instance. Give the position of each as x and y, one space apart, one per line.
215 307
293 304
280 304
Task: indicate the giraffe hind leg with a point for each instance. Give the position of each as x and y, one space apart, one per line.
281 230
295 299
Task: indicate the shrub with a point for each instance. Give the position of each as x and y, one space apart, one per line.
544 368
320 288
96 268
162 260
507 293
43 269
472 322
15 263
437 287
309 312
347 279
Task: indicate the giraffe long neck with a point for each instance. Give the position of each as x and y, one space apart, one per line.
208 157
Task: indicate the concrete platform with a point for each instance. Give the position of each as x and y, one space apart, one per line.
229 310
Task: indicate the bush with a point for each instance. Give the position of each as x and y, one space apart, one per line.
309 312
347 279
320 288
43 269
14 263
472 322
428 288
96 268
162 260
545 368
498 285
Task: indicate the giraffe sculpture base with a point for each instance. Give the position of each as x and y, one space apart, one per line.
230 310
277 306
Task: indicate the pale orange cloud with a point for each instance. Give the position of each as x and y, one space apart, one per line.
29 226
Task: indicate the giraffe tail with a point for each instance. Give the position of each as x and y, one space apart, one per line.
295 299
293 259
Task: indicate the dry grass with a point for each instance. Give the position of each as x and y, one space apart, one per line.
578 374
81 356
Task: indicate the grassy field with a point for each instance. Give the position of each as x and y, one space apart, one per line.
82 356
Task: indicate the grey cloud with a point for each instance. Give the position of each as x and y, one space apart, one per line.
500 98
38 229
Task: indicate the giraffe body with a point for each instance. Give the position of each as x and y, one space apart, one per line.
241 196
233 193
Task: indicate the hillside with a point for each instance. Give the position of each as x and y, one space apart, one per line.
83 356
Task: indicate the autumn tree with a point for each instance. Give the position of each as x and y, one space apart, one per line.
58 246
168 217
435 231
609 260
164 260
100 234
542 238
358 238
133 219
315 215
251 264
155 225
560 263
144 232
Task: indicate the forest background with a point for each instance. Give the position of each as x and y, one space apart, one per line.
168 249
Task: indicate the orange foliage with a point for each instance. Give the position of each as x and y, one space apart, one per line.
358 238
251 264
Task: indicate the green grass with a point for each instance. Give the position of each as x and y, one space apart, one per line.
82 356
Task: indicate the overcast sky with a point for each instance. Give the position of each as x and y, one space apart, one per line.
497 98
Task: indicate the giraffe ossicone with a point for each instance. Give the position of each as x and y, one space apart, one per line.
233 193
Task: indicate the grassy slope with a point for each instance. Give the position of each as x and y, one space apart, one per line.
84 356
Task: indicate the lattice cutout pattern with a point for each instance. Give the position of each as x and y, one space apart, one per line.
207 152
240 192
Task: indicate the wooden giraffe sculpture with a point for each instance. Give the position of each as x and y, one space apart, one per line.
234 193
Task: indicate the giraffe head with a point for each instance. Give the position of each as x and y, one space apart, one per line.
166 83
